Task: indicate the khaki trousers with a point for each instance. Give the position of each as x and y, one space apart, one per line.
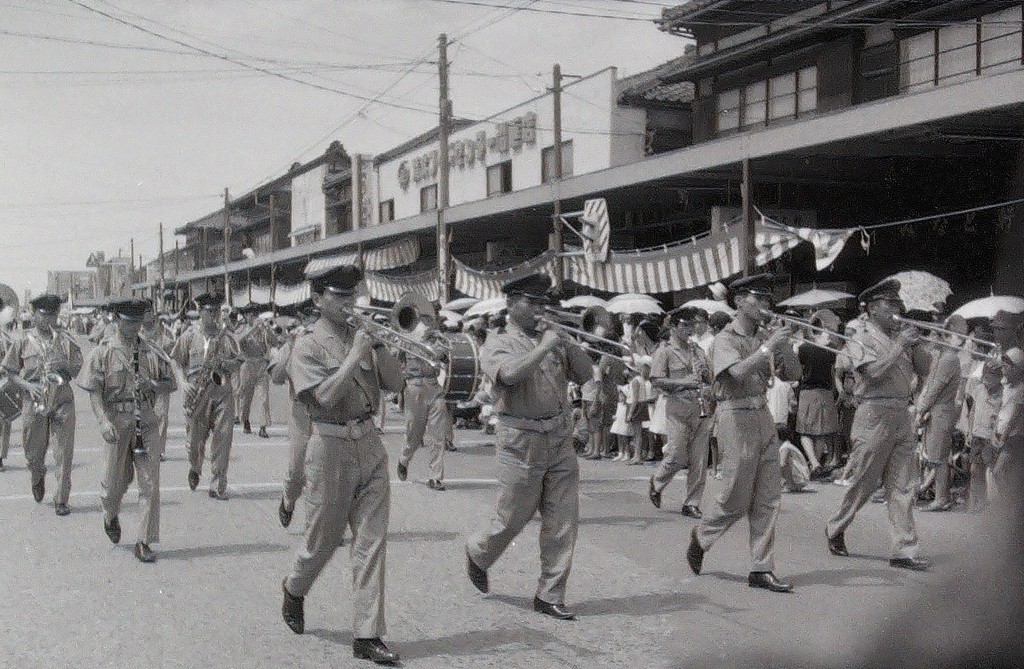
253 378
688 442
162 408
753 483
299 431
352 465
5 438
537 472
120 467
883 452
215 418
427 422
38 431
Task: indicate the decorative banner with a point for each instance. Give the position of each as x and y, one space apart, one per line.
391 288
483 284
285 295
828 243
309 203
399 254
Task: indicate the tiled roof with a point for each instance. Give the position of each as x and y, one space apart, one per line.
650 86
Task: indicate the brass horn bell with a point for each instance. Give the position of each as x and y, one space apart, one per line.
410 309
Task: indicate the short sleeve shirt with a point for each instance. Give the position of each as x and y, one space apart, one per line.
110 370
730 347
320 354
943 381
673 362
194 347
29 354
898 380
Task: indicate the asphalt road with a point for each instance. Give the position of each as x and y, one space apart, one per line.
213 598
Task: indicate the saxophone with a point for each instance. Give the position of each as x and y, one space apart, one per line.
45 402
700 371
212 373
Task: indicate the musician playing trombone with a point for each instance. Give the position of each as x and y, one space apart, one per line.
883 434
210 357
124 377
338 371
537 465
42 362
682 371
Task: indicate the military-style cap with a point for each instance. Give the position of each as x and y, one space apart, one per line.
688 314
133 309
341 280
887 289
209 301
47 303
756 284
534 286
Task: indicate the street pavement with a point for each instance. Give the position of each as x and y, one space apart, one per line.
213 599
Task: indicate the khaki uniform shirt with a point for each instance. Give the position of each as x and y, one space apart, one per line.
254 342
543 394
897 382
110 371
30 353
686 363
194 348
731 346
320 354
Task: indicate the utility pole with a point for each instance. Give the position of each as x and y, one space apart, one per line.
227 233
556 99
163 277
445 112
750 248
273 249
177 271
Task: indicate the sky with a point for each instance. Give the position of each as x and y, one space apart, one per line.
108 129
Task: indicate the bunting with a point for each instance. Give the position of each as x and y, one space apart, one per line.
487 284
827 243
399 254
390 288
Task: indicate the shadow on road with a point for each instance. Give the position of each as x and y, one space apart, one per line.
232 550
842 577
96 507
470 485
640 522
476 449
486 641
633 605
423 535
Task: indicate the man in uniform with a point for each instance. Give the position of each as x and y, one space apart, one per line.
883 431
42 363
338 375
157 335
255 341
210 357
5 425
682 371
427 419
537 465
299 433
124 376
743 359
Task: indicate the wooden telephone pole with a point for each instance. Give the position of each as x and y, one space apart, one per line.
445 112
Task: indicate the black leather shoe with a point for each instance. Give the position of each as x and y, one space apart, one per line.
767 581
39 490
246 428
837 544
653 494
373 650
434 484
284 514
691 511
554 610
143 553
263 432
113 530
193 479
403 472
914 564
695 554
477 575
292 611
62 509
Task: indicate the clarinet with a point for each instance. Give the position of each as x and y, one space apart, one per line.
702 399
138 444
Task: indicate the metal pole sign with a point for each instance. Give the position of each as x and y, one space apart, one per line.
594 230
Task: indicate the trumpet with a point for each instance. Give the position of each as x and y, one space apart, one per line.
939 330
816 329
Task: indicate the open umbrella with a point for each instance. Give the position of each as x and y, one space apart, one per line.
634 303
988 307
921 291
816 297
494 305
710 306
584 302
450 318
459 304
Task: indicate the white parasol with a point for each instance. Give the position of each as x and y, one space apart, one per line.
459 304
495 305
816 297
988 307
450 318
921 291
710 306
634 303
584 302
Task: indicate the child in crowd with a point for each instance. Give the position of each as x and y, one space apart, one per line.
796 473
983 398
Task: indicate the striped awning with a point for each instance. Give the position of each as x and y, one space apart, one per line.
484 284
390 288
399 254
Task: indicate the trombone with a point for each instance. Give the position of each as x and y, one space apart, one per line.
590 320
940 331
816 329
392 337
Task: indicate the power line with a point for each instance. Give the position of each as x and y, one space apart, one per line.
539 10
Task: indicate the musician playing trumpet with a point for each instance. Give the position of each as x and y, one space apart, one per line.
42 363
124 377
209 356
682 371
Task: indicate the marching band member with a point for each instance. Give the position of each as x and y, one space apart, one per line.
743 359
427 418
883 432
299 432
210 357
255 341
682 371
537 465
5 425
338 374
157 335
124 377
42 362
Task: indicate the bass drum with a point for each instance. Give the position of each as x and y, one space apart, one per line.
461 376
10 401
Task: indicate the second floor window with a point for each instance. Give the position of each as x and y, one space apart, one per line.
547 162
428 198
783 97
499 178
387 211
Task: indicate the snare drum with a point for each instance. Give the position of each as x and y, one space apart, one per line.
10 401
461 376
